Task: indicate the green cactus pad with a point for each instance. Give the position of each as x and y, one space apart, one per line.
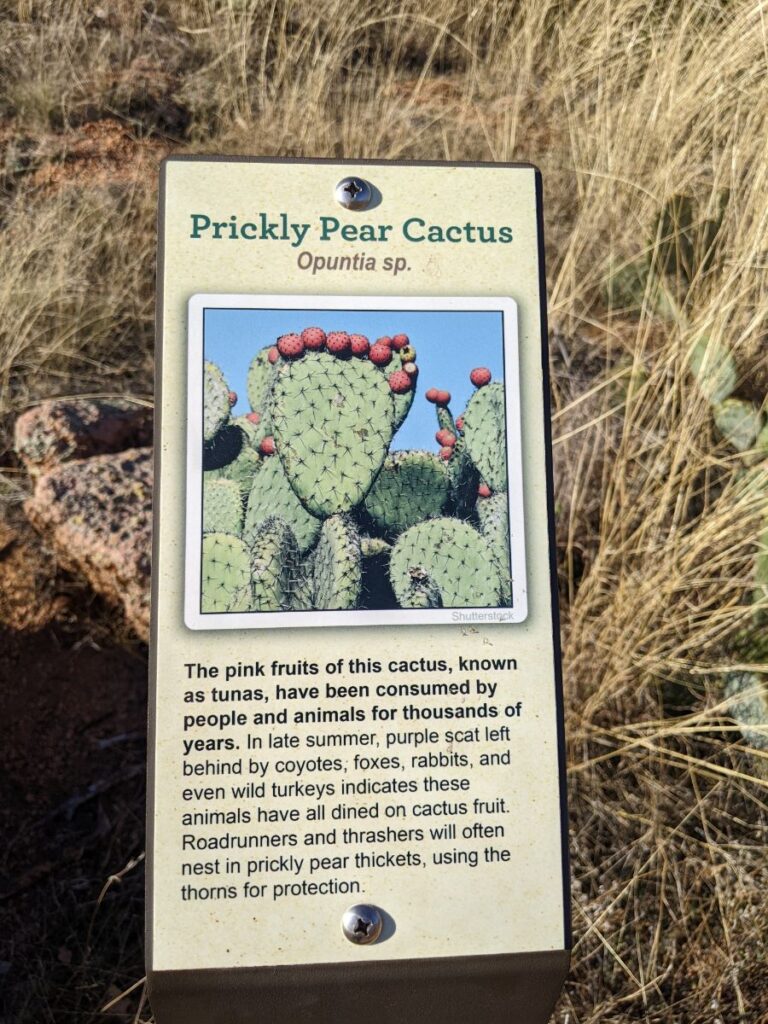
337 574
373 547
445 420
463 479
215 401
222 507
714 368
242 470
493 516
275 566
411 486
259 382
485 435
272 495
333 422
748 705
402 404
739 422
446 561
226 574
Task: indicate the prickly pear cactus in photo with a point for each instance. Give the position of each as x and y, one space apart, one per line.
485 434
374 547
402 403
272 495
448 561
226 574
306 506
411 486
445 419
333 421
242 470
222 507
215 401
253 432
275 566
259 383
337 572
493 516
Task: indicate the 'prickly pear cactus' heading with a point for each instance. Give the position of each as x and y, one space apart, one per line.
306 506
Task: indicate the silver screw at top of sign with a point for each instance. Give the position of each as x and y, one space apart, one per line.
353 193
362 924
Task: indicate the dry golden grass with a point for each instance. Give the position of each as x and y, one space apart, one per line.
623 104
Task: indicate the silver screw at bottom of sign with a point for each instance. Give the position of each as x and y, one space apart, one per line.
362 924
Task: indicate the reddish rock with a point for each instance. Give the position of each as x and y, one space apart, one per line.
96 515
59 430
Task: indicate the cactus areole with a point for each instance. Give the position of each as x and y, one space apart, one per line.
356 754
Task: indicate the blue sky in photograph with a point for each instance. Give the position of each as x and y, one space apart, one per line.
448 345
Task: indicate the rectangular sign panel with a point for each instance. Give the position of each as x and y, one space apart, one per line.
356 755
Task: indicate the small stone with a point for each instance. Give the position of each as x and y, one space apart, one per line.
96 516
58 430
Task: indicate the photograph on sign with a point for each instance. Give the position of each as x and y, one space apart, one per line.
321 490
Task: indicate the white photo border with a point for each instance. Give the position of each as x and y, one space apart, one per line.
197 620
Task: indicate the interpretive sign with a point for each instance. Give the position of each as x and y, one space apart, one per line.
356 786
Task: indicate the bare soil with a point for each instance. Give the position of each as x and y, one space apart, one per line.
72 771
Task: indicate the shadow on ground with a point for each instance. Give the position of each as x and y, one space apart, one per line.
72 782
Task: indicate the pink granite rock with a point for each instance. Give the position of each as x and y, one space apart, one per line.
96 515
58 430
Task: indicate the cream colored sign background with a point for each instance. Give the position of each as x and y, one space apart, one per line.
502 908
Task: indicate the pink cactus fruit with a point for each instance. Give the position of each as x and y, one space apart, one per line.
254 418
359 345
411 369
480 376
273 355
445 453
483 491
290 346
445 438
400 382
432 395
400 341
232 396
267 446
459 422
384 340
313 338
337 343
443 398
380 354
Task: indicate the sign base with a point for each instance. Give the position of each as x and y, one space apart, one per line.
517 989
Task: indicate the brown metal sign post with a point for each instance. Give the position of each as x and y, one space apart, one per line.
356 795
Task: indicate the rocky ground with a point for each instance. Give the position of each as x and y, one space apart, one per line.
72 767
